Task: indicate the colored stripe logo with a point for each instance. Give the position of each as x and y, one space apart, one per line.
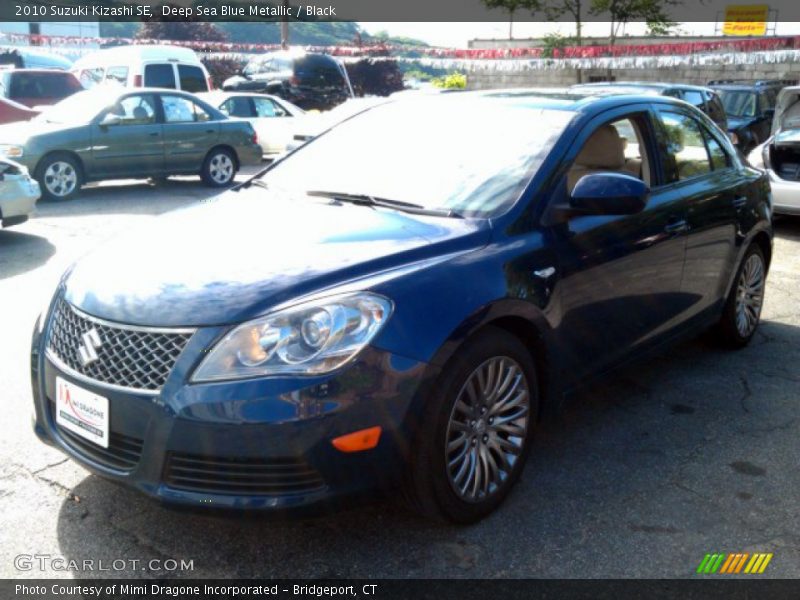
734 563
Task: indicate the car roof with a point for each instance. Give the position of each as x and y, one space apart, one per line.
650 85
565 98
60 72
137 52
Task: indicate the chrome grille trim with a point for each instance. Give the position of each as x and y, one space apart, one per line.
131 358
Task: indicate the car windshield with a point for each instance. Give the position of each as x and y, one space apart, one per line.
77 109
470 156
738 103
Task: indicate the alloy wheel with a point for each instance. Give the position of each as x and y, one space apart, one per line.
60 178
221 168
749 295
487 429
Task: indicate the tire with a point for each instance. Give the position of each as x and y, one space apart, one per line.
60 176
219 168
742 311
459 429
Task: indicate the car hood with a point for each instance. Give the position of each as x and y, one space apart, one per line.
235 258
19 132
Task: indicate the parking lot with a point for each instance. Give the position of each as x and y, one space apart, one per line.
692 452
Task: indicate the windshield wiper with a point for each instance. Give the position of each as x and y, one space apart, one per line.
367 200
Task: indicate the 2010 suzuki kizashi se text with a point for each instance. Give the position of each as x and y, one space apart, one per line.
394 304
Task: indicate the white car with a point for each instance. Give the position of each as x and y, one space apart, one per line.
18 193
272 117
779 156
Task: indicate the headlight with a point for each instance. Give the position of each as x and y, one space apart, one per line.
312 338
11 151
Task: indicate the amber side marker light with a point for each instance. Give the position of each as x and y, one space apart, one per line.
364 439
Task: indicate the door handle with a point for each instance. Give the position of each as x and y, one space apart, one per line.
739 202
679 226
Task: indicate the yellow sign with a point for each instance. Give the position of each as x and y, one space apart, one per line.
746 19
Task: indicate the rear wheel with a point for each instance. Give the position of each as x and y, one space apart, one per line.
219 168
475 435
59 176
742 311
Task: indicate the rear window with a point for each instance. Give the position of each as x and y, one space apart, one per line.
159 75
318 69
192 79
44 86
90 77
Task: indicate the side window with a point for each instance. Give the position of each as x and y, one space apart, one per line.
267 108
618 146
178 109
91 77
237 106
694 97
161 76
192 79
719 158
715 109
684 148
117 74
763 103
136 110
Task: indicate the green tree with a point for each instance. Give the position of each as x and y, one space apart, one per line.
199 31
512 6
554 10
621 12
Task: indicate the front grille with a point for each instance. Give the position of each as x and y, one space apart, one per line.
123 451
128 357
245 476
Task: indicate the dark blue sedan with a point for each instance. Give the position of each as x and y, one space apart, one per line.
396 303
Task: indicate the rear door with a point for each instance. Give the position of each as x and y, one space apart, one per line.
134 146
160 75
192 79
189 133
698 166
620 275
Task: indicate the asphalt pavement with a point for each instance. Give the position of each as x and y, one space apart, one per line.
693 452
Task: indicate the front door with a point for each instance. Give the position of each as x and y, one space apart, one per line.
133 145
188 134
619 276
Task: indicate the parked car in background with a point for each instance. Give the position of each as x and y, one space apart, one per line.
114 133
33 58
37 87
18 193
168 67
750 106
779 155
11 112
272 117
313 123
308 80
705 99
396 303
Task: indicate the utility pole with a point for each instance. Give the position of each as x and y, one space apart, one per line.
285 26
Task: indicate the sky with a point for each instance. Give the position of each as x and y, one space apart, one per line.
456 35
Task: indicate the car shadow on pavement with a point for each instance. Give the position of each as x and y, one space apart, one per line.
787 227
644 473
29 251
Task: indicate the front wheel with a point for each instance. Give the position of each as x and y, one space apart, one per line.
59 176
742 311
219 168
476 429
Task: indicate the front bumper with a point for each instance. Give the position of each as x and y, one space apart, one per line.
255 444
785 195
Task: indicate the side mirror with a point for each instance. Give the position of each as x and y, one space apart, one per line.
608 194
110 119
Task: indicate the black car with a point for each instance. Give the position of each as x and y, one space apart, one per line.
750 106
311 81
706 99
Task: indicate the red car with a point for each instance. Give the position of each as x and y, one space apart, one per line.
34 87
11 111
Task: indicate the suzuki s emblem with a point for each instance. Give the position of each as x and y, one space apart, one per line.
88 350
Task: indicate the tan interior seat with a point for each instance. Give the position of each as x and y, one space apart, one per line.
604 151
